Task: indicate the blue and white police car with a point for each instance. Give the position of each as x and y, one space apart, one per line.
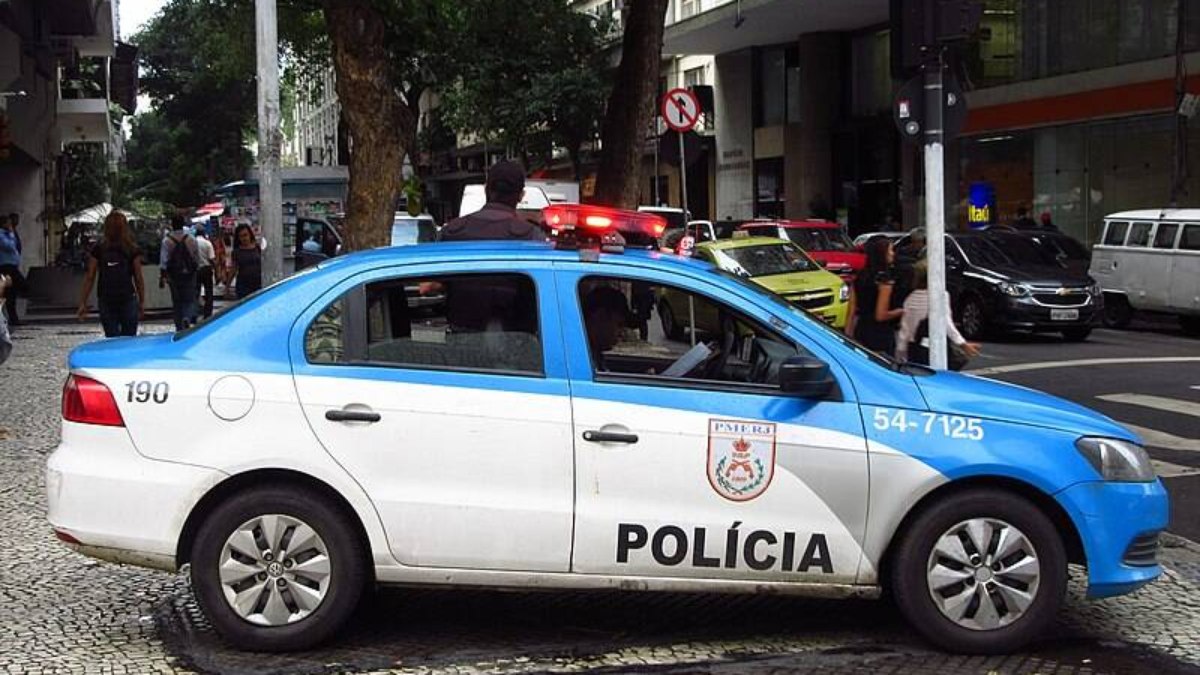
537 425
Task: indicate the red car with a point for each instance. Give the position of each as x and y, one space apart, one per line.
823 240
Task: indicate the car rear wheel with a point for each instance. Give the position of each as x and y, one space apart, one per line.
979 572
277 569
1117 311
972 320
1076 334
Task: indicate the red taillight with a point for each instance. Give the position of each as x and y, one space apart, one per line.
89 402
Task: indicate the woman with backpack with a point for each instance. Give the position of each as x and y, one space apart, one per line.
246 258
121 293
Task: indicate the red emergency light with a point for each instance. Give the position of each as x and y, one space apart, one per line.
573 224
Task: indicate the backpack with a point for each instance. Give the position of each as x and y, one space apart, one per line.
116 274
181 264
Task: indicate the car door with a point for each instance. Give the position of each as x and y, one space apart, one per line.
694 477
453 414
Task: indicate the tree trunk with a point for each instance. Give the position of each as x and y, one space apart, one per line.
376 120
631 105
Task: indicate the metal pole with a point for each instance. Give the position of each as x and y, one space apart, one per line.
270 188
935 216
683 180
657 140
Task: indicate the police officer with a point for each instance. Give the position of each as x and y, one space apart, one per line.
498 219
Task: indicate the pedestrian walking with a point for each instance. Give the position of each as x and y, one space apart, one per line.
874 307
246 262
10 266
204 271
116 261
178 263
912 341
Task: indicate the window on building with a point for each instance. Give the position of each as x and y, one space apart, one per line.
778 86
871 84
688 8
693 77
769 198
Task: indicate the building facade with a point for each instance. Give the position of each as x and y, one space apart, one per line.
61 66
1071 111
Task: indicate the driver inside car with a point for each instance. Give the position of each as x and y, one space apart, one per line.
605 314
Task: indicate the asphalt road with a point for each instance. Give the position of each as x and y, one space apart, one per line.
1147 378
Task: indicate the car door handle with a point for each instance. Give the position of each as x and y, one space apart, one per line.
352 416
609 437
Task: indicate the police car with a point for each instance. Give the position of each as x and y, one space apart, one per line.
537 429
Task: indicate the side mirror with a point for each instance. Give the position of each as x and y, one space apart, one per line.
805 377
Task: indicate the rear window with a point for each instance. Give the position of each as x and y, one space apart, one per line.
1139 234
1115 234
1190 241
765 260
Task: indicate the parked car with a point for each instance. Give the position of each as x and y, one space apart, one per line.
530 207
1150 261
824 241
1007 281
861 240
408 230
314 240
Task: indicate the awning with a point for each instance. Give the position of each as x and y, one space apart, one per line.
91 215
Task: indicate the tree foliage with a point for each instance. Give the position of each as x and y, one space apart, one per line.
87 177
528 73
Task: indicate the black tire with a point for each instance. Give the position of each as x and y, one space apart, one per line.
910 587
666 316
1117 311
1190 325
347 560
972 318
1076 334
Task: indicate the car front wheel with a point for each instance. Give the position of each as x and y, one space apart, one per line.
277 569
973 320
980 572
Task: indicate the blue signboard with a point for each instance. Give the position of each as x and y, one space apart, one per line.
981 205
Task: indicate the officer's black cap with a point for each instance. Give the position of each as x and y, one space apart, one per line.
506 177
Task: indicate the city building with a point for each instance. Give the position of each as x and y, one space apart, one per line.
61 66
1071 110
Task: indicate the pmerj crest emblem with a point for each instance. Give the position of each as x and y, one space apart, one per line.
741 458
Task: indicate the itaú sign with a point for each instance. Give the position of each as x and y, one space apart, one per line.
979 214
981 205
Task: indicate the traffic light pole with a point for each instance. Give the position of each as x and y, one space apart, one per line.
935 210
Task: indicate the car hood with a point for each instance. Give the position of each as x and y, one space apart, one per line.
1042 275
973 396
798 282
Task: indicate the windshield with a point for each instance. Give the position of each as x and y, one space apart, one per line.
1063 246
820 239
1004 251
407 231
781 303
764 260
216 317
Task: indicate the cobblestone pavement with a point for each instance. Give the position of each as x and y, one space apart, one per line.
61 612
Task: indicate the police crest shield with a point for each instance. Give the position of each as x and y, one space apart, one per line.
741 458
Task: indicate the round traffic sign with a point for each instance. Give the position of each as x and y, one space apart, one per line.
680 109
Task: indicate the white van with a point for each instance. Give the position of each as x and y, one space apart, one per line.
1150 261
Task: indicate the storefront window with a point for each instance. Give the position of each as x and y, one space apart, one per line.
1030 39
768 188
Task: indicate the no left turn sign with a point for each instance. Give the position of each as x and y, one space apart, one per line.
680 109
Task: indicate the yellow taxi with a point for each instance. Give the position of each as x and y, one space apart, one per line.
776 265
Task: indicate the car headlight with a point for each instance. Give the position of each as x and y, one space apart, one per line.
844 294
1117 460
1012 290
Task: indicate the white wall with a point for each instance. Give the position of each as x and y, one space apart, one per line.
735 135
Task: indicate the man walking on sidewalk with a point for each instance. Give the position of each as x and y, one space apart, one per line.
178 267
204 273
10 265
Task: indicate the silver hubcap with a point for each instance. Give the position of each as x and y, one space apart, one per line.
983 574
274 570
